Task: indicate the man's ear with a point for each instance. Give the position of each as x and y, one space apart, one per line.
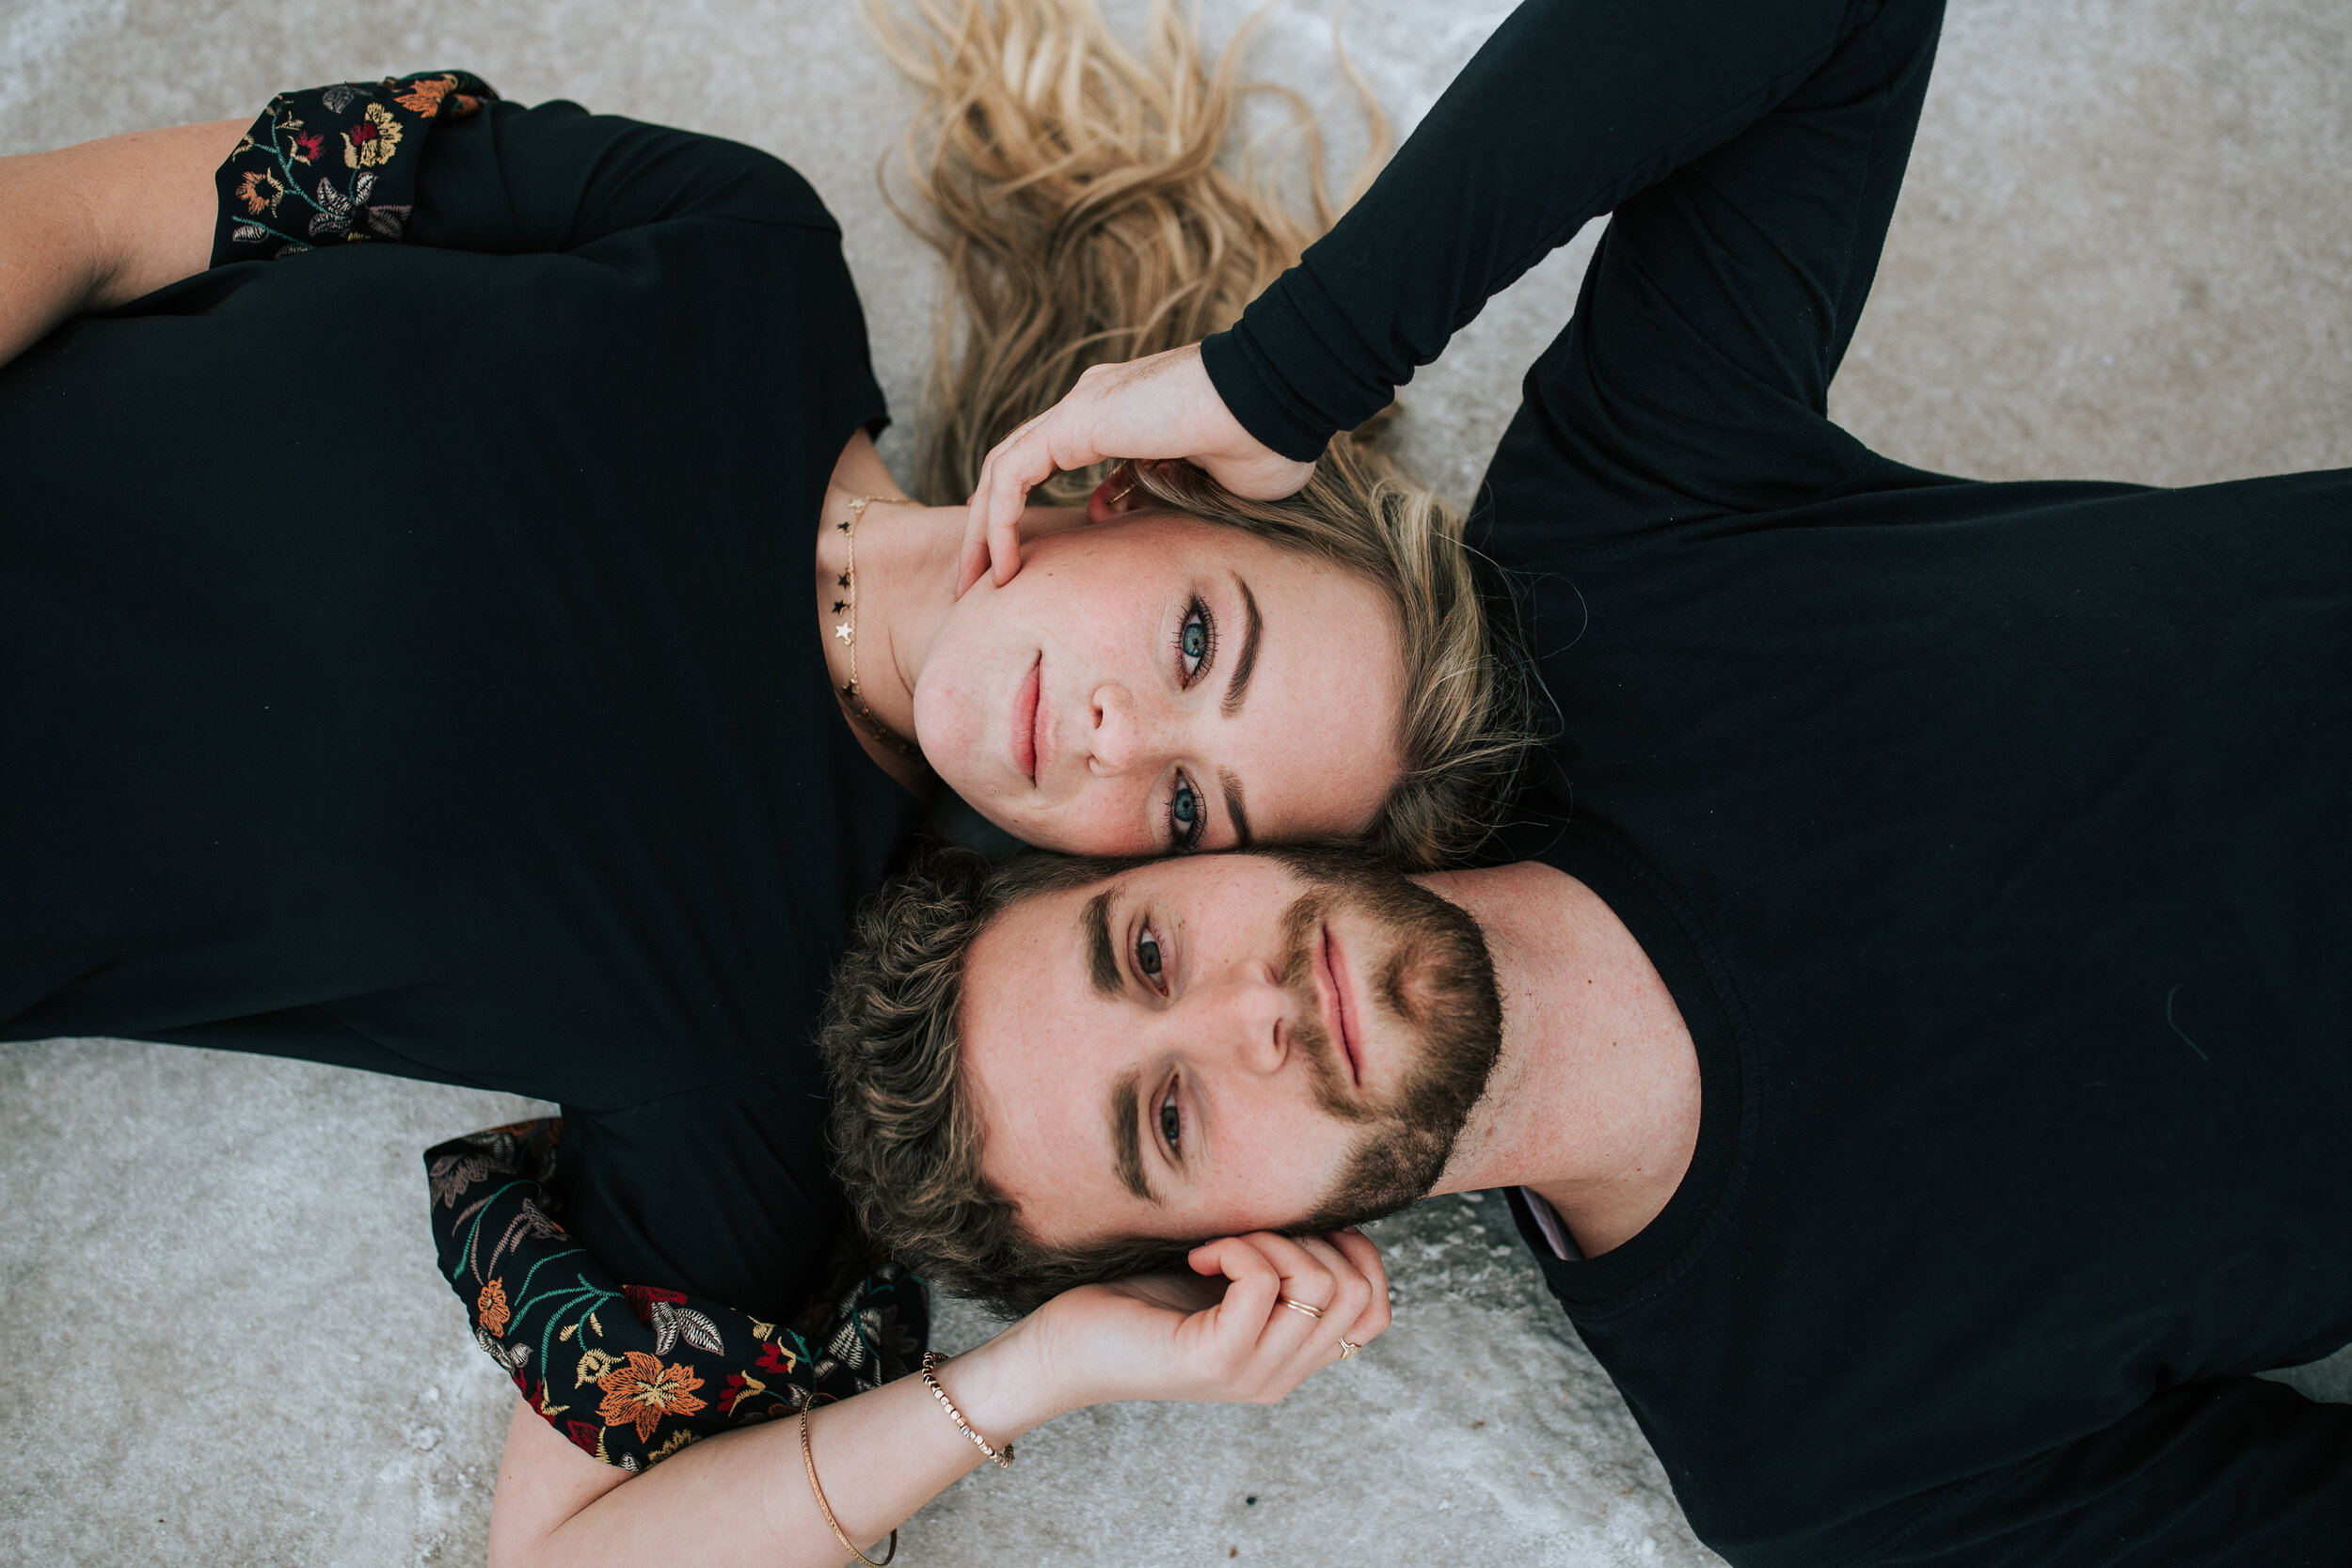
1117 495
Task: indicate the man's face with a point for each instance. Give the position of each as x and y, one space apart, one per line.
1224 1043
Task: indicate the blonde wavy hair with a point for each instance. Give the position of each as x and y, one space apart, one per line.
1077 194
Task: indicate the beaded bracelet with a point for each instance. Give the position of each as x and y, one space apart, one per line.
1002 1456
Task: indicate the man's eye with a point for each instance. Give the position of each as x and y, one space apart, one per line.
1172 1121
1195 641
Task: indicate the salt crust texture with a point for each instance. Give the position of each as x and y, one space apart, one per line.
2125 251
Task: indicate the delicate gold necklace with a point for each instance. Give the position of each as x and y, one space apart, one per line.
847 632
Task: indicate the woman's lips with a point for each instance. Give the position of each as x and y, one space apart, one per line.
1025 706
1340 1029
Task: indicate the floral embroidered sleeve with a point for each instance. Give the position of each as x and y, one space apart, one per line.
334 165
629 1372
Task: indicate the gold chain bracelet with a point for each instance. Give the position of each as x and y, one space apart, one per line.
1002 1456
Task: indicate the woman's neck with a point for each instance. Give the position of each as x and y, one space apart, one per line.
906 556
901 594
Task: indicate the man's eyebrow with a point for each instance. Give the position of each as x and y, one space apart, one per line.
1103 958
1123 1141
1238 686
1234 806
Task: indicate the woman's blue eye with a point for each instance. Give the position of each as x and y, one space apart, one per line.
1148 956
1172 1123
1195 641
1187 815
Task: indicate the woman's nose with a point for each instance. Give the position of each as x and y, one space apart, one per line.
1124 737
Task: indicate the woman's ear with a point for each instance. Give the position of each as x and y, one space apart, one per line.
1116 496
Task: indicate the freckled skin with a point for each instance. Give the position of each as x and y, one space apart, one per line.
1237 1038
1314 743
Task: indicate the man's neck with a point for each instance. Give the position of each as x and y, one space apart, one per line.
1594 1101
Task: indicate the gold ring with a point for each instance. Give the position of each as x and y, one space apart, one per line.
1348 1348
1300 1307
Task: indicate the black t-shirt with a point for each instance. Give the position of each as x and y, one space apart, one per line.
1992 838
408 661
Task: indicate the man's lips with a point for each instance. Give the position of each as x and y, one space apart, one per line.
1025 705
1329 970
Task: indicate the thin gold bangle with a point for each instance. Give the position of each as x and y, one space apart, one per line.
809 1461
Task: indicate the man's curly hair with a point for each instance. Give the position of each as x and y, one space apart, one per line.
907 1141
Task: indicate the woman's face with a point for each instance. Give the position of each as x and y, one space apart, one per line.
1153 684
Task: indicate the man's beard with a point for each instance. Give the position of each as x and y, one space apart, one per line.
1436 979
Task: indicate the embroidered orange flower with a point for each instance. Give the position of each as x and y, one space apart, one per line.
491 1304
644 1392
261 192
425 97
371 143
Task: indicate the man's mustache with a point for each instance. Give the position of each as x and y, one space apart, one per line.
1301 925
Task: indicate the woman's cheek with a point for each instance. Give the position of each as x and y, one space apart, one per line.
945 731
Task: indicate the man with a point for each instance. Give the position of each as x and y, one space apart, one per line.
1980 1294
1927 1022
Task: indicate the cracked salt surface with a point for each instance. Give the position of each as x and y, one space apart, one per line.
1476 1422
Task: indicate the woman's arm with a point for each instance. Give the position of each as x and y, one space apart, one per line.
744 1496
97 225
702 1401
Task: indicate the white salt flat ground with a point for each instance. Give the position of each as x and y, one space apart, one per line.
2125 252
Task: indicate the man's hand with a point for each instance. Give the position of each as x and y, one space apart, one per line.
1159 407
1224 1337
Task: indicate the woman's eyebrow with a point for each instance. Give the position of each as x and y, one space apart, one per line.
1234 806
1238 686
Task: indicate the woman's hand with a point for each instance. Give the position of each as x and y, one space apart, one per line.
1161 406
1221 1334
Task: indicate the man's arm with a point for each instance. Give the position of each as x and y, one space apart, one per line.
97 225
2235 1473
1750 155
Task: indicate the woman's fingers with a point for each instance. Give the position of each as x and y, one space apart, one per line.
1032 455
991 532
1253 1284
1163 405
971 560
1373 1320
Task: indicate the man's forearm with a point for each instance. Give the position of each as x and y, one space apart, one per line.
97 225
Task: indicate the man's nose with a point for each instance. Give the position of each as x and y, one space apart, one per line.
1242 1014
1126 735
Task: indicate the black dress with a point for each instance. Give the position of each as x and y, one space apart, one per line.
408 659
1992 837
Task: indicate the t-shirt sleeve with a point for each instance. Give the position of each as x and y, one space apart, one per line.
631 1372
1750 156
439 159
2235 1473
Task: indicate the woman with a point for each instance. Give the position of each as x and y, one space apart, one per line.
464 632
